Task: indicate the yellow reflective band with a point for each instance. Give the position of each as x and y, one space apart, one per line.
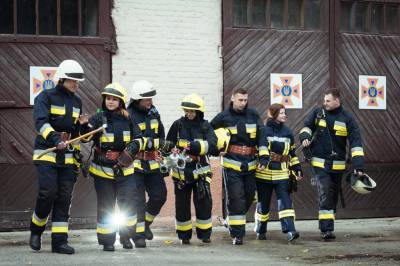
154 125
321 123
338 165
236 222
327 216
178 174
268 174
286 213
341 133
306 130
57 110
96 170
156 144
232 130
252 130
183 143
49 157
317 162
104 229
142 126
59 229
286 150
357 151
184 227
149 217
232 164
154 165
203 145
39 222
127 136
261 217
69 159
137 164
108 137
131 221
262 150
46 129
203 226
140 228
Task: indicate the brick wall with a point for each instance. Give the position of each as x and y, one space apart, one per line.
175 45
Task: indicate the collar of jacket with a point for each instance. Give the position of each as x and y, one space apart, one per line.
135 105
235 111
335 111
64 90
272 123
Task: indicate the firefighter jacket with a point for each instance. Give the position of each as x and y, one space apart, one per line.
56 114
276 138
198 137
330 131
244 128
152 129
119 132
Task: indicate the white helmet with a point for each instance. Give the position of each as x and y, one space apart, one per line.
142 89
70 69
362 184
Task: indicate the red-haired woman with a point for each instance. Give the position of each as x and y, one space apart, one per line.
277 159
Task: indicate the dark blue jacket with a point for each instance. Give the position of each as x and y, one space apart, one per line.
331 131
56 110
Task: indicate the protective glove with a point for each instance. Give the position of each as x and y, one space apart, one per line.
124 160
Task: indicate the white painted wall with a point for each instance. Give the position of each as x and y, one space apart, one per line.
174 44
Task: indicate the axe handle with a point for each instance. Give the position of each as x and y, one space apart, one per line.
72 141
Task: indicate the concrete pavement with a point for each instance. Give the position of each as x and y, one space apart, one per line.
359 242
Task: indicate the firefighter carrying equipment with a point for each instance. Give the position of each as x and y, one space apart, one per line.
362 183
142 89
115 89
193 102
70 69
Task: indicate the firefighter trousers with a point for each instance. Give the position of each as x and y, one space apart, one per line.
202 205
56 185
285 205
328 186
154 185
120 190
240 190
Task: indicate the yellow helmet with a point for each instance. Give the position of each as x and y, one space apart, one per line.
115 89
223 136
193 102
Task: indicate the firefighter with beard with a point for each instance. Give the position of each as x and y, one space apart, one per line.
56 114
147 169
112 167
240 161
326 132
195 138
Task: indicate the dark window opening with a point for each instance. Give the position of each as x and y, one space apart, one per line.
259 13
69 17
369 17
278 14
48 17
26 17
6 16
240 13
295 12
90 14
392 19
312 17
277 8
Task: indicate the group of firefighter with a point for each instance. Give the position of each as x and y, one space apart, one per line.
129 144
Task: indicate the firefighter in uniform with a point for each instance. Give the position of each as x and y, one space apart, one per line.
276 159
56 114
195 137
326 132
114 182
147 169
240 162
